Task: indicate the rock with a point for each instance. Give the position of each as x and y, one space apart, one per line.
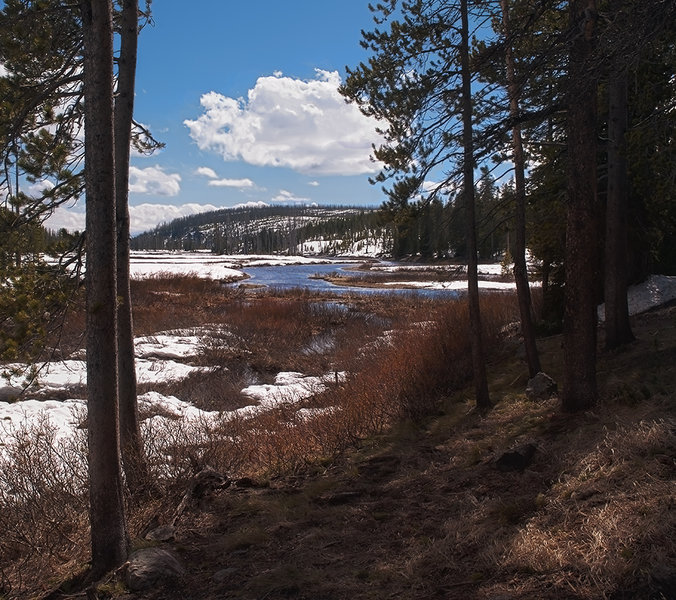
9 393
517 459
150 567
541 387
208 480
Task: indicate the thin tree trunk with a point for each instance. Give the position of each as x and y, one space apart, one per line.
520 268
478 356
581 261
130 436
107 515
617 327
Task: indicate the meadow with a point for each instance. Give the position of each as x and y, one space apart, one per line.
356 463
273 382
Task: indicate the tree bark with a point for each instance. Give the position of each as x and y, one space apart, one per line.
107 515
617 327
520 267
581 256
478 356
130 435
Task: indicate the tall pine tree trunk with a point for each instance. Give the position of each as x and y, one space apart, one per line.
107 515
617 327
581 256
130 436
478 356
520 267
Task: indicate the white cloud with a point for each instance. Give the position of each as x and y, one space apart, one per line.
286 196
70 217
236 183
259 204
36 189
153 180
206 172
313 183
147 216
142 216
304 125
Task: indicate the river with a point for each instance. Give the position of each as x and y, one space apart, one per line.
299 276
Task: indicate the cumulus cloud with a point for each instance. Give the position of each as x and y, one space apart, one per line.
142 216
206 172
304 125
37 189
153 180
259 204
235 183
286 196
147 216
313 183
67 217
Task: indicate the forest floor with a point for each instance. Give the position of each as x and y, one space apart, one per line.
423 512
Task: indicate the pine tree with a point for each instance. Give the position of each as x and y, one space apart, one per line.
419 83
107 514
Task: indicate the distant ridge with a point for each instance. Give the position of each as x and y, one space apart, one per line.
306 230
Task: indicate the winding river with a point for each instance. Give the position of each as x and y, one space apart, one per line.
299 276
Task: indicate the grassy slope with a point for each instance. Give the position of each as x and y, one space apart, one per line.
422 512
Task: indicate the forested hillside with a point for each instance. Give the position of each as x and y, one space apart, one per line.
426 230
273 229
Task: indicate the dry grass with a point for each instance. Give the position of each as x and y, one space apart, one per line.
609 522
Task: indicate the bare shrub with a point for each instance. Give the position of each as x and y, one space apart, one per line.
43 504
168 301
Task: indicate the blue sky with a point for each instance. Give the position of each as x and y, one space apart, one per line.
243 94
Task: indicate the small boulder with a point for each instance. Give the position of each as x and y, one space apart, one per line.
150 567
9 393
517 459
541 387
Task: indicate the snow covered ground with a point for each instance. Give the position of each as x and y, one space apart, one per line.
213 266
166 356
157 362
656 290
